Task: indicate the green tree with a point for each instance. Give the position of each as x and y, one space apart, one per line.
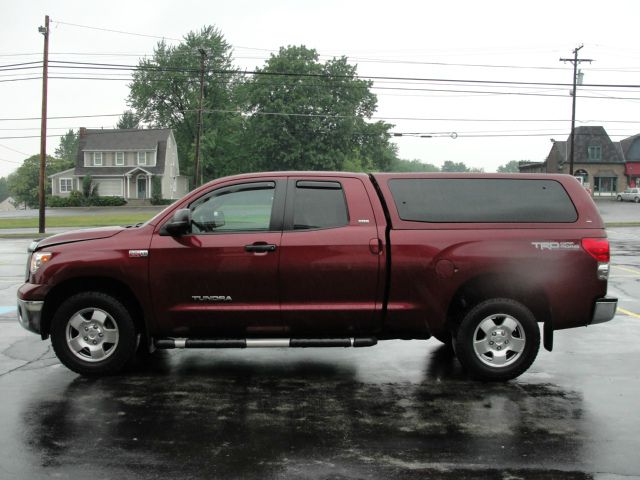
510 167
67 150
128 120
400 165
23 183
449 166
4 189
304 114
165 93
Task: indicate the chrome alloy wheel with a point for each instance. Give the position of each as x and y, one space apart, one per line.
499 340
92 335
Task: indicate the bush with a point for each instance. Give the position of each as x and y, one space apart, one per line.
161 201
77 199
108 202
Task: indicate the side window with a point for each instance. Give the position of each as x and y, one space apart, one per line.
241 208
319 205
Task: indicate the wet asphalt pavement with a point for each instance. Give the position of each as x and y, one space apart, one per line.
402 409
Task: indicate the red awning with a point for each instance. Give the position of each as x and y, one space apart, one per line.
632 169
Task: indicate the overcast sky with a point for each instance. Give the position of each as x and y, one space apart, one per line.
451 41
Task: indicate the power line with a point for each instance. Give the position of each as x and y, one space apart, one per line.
116 31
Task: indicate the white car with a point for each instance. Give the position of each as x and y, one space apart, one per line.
629 195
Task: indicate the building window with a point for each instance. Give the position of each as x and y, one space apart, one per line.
97 159
142 158
119 159
66 185
594 152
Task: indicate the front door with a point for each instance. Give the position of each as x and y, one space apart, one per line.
220 279
142 187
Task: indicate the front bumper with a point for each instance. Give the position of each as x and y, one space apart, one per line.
605 310
30 314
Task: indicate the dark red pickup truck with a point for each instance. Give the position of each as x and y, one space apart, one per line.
308 259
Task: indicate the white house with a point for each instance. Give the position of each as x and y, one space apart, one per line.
123 163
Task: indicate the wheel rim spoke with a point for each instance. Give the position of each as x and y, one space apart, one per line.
110 336
499 358
99 316
77 322
481 346
486 325
76 344
97 352
516 344
510 324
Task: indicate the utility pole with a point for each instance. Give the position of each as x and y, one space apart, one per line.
575 61
43 123
203 55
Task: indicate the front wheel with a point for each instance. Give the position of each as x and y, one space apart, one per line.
93 333
636 199
497 340
619 198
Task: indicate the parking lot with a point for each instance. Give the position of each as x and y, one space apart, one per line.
401 409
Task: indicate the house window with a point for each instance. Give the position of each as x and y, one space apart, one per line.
119 158
142 158
594 152
66 185
97 159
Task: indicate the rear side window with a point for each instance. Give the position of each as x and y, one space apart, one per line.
482 200
319 205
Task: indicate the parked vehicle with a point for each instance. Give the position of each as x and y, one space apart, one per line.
330 260
629 195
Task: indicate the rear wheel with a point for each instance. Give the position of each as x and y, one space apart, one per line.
619 198
636 199
497 340
93 333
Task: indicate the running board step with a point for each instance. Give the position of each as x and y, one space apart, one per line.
265 342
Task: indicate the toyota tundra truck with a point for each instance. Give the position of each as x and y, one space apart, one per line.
483 262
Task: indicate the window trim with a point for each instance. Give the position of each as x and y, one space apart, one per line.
145 164
594 148
95 159
115 160
60 189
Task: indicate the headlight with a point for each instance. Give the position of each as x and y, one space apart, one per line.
38 259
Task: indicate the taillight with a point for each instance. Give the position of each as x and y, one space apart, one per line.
598 248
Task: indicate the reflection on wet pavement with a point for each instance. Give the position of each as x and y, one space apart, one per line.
184 415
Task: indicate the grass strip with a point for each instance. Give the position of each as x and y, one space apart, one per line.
79 221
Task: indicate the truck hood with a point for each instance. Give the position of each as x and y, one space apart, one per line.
80 236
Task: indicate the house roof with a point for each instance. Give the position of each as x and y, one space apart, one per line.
129 139
585 137
121 140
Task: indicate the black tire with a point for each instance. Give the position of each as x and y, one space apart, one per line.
619 198
636 199
92 333
497 340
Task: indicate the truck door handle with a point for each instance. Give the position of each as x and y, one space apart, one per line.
260 247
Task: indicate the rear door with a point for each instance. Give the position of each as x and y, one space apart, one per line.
220 279
329 258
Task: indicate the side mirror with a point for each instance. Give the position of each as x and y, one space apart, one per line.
179 224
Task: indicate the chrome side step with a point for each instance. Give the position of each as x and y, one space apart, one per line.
265 342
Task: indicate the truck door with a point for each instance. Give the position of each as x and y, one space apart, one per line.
220 278
329 258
